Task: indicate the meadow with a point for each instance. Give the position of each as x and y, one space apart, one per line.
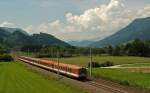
16 78
117 60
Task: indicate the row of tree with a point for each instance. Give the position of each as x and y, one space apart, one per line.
5 55
134 48
52 51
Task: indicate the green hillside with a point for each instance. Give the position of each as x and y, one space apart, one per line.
12 38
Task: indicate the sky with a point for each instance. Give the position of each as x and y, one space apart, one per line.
72 20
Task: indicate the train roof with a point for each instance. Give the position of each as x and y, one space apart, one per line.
56 63
61 64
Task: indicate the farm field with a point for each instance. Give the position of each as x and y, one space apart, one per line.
124 76
117 60
16 78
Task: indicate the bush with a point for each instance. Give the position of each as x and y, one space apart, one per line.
106 64
5 57
94 64
125 83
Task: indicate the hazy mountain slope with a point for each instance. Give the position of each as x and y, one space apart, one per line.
84 43
139 28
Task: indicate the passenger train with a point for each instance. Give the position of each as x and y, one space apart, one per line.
64 69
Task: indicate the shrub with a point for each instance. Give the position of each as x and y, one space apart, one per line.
94 64
5 57
106 64
125 83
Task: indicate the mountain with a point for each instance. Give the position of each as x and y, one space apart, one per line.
47 39
84 43
11 30
139 28
16 38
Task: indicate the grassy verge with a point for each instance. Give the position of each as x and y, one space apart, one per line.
16 78
124 76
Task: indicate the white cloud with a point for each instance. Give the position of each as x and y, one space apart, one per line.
98 22
7 24
29 29
97 17
144 12
93 23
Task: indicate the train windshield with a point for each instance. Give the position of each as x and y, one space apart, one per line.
83 71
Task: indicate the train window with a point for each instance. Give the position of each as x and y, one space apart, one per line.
61 68
56 66
52 65
65 68
49 65
68 69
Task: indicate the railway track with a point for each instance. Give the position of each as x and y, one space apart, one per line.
105 87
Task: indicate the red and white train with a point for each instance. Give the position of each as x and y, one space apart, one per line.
64 69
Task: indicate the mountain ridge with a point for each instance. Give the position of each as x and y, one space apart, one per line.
18 38
139 28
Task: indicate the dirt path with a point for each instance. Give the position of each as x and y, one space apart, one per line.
95 86
124 66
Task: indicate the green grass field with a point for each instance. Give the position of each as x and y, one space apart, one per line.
124 76
16 78
83 60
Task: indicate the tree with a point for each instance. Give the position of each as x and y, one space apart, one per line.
116 51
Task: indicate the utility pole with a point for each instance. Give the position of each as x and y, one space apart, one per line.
58 62
90 62
28 51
